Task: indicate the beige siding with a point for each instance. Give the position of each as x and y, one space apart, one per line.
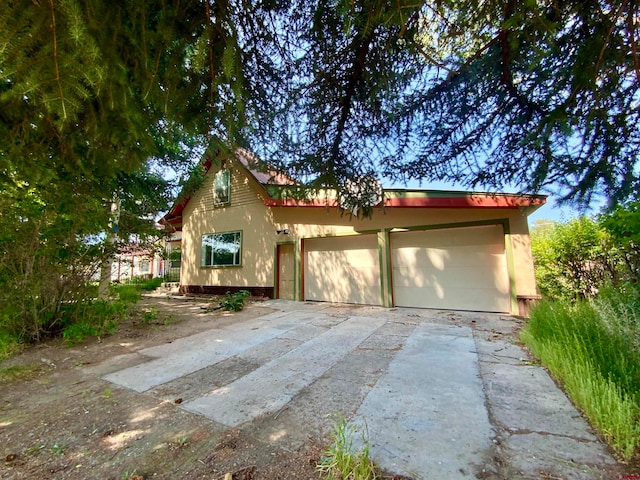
246 213
322 221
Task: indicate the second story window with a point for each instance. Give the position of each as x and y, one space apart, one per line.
221 187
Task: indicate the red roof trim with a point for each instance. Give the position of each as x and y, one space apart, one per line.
472 201
290 202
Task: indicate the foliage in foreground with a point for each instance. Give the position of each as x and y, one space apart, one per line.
83 318
574 259
592 350
341 462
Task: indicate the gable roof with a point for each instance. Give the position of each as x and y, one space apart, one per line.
256 170
278 189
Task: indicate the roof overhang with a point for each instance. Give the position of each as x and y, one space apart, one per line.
427 199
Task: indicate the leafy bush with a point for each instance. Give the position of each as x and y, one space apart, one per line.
234 302
595 360
94 319
9 345
571 258
151 284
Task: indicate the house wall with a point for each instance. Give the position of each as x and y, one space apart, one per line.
247 213
258 223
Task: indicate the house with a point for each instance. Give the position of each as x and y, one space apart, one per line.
136 261
242 229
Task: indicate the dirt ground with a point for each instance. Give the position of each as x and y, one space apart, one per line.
59 419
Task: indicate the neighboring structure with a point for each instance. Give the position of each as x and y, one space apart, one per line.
173 256
243 229
134 261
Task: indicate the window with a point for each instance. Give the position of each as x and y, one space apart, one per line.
221 249
144 266
221 187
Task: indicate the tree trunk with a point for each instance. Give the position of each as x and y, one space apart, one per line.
109 242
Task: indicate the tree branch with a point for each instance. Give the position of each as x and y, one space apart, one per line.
362 50
55 59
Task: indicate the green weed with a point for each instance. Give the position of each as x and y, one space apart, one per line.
340 462
128 293
57 449
597 363
127 475
148 316
94 319
234 302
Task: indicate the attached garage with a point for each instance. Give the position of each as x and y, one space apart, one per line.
342 269
453 268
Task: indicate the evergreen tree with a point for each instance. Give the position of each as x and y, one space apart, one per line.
493 94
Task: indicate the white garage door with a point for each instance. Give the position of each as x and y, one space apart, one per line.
342 269
455 268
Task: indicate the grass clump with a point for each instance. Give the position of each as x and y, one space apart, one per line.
18 372
341 462
591 352
10 345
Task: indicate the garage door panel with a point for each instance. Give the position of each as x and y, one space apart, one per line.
467 299
343 269
443 238
458 278
460 268
441 259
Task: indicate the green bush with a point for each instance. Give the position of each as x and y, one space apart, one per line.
151 284
595 360
234 302
9 345
571 258
93 319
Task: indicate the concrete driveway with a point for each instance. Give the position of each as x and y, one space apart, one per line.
442 395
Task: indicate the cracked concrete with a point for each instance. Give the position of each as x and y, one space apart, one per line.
442 394
539 432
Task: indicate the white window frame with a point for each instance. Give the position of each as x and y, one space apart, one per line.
222 187
233 248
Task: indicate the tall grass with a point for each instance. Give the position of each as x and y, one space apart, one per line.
341 461
585 347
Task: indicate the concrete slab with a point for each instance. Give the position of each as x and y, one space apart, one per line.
540 406
557 457
426 416
540 432
272 386
187 355
443 394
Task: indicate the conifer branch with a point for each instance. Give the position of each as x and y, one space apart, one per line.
55 58
632 34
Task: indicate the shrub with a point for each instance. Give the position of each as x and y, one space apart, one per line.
571 258
234 302
93 319
128 293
